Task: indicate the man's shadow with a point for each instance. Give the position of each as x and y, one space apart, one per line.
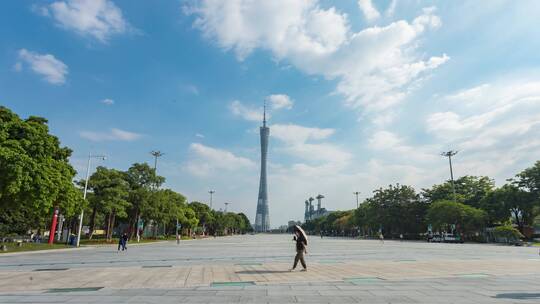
518 296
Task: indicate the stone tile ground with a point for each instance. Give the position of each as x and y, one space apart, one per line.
253 269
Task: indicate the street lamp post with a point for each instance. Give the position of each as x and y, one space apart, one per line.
211 196
90 156
356 193
449 154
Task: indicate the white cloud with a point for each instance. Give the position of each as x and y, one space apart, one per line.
375 67
280 101
238 109
292 134
296 142
199 135
494 125
107 101
391 8
369 11
53 70
99 19
205 160
113 135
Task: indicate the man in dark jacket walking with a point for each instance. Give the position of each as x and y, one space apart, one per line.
301 245
122 242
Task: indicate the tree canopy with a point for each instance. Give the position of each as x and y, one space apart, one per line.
36 174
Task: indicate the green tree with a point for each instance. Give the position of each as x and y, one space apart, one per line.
35 174
396 209
203 213
469 190
142 179
110 193
507 232
529 179
244 223
520 204
467 219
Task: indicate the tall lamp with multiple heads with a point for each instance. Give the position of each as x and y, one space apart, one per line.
90 156
211 197
356 193
156 155
449 154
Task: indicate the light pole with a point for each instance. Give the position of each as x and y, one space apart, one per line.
156 154
226 205
90 156
356 193
211 196
449 154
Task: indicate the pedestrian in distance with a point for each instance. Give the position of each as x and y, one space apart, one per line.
301 247
401 237
120 243
381 237
124 241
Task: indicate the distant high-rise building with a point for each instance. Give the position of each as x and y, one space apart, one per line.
262 219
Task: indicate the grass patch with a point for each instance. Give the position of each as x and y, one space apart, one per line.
114 241
13 247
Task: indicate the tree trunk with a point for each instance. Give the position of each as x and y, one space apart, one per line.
109 227
134 224
92 222
518 222
112 224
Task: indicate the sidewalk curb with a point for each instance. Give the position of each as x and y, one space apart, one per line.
45 251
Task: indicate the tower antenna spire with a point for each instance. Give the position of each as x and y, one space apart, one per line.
264 113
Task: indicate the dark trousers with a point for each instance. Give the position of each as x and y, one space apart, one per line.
122 244
299 257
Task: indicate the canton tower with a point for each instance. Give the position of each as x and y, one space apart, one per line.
262 219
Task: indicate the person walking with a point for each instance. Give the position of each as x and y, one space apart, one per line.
124 241
120 243
381 237
301 247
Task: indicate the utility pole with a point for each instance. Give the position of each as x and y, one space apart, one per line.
356 193
211 196
449 154
90 156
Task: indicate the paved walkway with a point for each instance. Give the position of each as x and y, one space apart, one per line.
253 269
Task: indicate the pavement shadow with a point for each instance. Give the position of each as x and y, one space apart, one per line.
518 296
260 271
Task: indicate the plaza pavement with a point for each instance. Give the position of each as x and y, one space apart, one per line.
254 269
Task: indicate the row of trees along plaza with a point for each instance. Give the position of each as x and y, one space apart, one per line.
476 211
36 180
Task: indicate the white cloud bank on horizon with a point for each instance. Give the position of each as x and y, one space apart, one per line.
99 19
53 70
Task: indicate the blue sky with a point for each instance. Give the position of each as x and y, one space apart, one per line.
361 94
